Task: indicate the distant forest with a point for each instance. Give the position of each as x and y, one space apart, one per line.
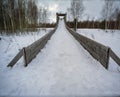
19 15
96 24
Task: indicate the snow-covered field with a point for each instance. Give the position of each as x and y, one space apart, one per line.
10 45
62 68
110 38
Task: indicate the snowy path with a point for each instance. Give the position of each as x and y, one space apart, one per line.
62 68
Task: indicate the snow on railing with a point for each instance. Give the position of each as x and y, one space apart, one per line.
32 50
99 51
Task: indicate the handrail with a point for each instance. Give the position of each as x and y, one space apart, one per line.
15 59
114 57
99 51
32 50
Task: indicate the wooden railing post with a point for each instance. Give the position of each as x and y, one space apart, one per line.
75 24
25 58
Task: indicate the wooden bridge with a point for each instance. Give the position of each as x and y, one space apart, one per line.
99 51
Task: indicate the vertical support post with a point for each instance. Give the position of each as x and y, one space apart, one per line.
25 57
108 57
56 18
65 18
75 24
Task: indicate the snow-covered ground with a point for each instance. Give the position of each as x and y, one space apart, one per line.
62 68
110 38
10 45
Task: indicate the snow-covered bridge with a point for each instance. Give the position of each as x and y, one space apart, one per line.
63 67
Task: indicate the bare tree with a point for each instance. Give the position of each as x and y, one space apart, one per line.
68 14
2 16
19 11
118 18
77 9
29 11
11 13
45 16
93 20
18 14
34 13
88 18
116 15
40 15
107 12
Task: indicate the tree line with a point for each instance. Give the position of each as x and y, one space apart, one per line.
110 15
95 24
18 15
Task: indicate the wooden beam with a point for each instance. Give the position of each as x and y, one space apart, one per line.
15 59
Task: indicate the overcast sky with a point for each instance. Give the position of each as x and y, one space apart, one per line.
92 7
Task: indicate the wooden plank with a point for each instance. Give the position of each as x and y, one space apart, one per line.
114 57
15 59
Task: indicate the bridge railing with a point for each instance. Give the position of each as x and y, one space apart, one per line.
99 51
32 50
114 56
